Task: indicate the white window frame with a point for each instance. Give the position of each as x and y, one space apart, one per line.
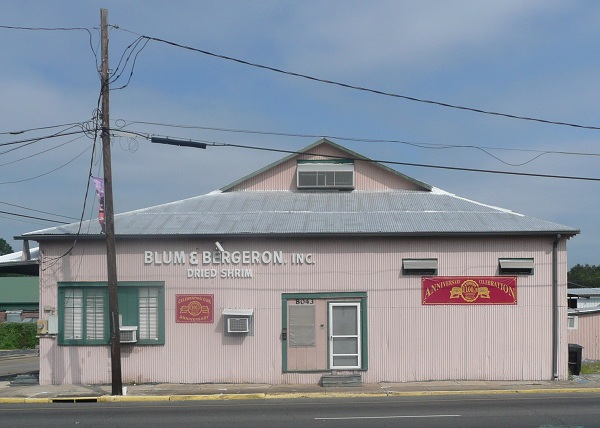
321 170
358 336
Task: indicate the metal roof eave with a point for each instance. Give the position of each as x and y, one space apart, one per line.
567 234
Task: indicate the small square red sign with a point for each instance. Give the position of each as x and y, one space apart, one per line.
194 308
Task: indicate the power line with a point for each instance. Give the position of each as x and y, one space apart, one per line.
362 88
32 217
22 220
40 153
132 49
126 123
48 172
10 27
37 139
23 131
38 211
488 171
382 161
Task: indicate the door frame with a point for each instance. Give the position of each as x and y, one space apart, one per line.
356 297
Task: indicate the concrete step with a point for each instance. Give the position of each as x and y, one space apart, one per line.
341 380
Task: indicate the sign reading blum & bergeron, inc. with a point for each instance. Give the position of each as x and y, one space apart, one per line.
234 264
469 290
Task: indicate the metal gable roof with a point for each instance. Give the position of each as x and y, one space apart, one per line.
309 213
351 155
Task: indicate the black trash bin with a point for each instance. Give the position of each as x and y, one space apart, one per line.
575 358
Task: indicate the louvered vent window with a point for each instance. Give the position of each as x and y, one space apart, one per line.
325 175
516 266
419 266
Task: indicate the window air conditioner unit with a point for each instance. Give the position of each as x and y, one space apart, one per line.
128 334
238 325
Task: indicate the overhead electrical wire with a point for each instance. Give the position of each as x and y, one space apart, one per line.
10 27
23 131
37 211
22 220
48 172
37 139
40 153
32 217
488 171
122 124
116 74
305 76
52 261
382 161
362 88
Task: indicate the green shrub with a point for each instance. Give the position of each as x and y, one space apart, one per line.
15 335
590 367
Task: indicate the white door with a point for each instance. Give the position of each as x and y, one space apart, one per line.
344 335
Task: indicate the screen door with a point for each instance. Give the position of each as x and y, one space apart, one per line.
344 335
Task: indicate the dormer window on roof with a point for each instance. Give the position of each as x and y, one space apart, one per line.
325 174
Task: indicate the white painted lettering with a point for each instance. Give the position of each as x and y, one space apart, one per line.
148 259
266 257
179 258
225 259
194 258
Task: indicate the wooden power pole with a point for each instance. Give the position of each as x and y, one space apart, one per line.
111 256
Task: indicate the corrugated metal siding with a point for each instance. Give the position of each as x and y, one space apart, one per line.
587 335
406 341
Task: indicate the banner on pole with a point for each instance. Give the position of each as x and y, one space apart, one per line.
99 185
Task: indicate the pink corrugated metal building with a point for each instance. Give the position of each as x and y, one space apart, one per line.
323 263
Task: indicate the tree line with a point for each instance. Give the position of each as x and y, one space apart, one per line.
586 276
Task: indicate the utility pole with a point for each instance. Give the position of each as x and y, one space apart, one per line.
111 255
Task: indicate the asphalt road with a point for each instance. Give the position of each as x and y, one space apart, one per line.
514 410
21 365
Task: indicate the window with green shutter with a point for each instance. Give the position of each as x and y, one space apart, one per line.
83 312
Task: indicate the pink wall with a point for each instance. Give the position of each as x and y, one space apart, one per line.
368 176
406 340
587 334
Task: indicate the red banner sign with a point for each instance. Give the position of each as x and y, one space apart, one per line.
467 290
194 308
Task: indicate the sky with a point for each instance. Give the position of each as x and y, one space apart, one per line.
534 59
